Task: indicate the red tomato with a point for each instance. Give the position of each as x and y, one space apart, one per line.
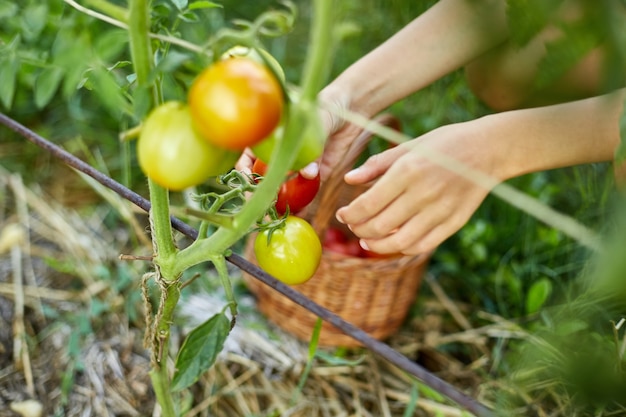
236 103
334 235
348 248
296 193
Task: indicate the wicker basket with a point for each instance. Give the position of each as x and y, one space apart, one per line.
374 294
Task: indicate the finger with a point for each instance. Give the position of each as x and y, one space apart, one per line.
381 194
374 166
367 205
310 171
409 239
386 222
245 162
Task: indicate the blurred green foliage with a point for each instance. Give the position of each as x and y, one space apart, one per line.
60 71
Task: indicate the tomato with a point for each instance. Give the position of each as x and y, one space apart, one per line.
334 235
236 103
310 150
296 192
172 153
291 253
335 240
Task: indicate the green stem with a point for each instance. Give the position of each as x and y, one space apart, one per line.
159 374
164 247
141 53
222 270
113 10
316 67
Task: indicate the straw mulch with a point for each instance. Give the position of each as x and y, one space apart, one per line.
71 330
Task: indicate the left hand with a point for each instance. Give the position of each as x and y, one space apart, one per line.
415 203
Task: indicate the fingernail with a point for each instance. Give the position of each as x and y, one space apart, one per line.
352 173
311 170
339 218
363 244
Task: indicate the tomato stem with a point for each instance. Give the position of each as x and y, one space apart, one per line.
113 10
222 220
316 67
222 271
162 236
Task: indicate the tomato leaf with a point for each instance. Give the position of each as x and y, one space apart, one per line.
537 295
46 85
110 44
34 20
109 92
8 75
200 350
180 4
8 9
203 5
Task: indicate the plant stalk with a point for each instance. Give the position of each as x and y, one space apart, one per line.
162 238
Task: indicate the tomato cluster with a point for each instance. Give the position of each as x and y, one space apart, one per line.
343 242
233 104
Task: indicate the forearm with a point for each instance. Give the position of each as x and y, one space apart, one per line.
443 39
543 138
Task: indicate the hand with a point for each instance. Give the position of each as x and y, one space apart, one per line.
415 204
340 136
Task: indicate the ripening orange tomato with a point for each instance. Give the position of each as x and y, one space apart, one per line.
236 103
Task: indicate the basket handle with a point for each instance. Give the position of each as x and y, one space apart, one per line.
326 200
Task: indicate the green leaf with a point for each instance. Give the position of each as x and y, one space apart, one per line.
109 91
537 295
180 4
34 20
71 51
203 5
46 85
110 44
171 62
200 350
338 361
571 326
8 75
8 9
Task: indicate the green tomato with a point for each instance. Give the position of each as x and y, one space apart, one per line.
311 148
173 154
291 253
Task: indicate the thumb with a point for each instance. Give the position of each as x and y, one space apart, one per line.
375 166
